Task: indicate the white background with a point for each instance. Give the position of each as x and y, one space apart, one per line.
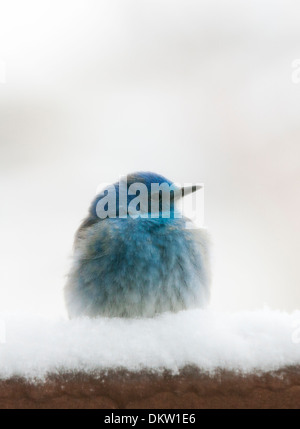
199 91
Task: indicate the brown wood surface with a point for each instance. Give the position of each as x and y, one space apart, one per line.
190 389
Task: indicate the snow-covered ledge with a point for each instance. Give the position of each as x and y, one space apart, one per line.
192 359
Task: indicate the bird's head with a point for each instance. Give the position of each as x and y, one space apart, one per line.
140 194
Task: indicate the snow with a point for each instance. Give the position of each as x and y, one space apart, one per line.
261 340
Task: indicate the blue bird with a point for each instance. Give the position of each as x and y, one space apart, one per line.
129 265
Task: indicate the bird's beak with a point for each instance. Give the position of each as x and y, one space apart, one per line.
179 192
186 190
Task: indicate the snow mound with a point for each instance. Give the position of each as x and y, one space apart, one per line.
245 341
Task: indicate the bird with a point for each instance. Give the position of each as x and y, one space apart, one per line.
131 260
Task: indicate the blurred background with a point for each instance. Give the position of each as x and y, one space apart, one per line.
199 91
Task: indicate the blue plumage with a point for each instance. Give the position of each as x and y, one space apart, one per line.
128 267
